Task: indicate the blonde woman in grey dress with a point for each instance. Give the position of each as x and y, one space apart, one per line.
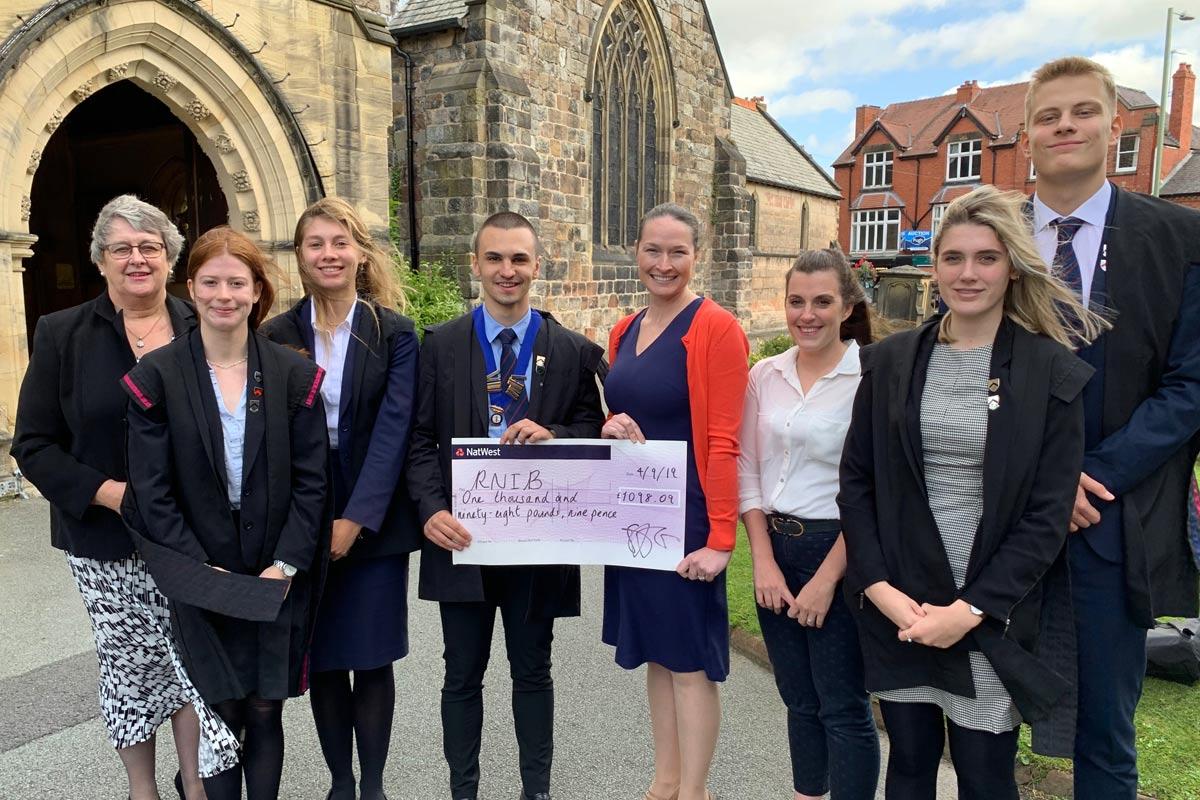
957 483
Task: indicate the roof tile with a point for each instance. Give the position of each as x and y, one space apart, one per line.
773 157
414 13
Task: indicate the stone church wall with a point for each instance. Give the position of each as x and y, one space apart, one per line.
502 122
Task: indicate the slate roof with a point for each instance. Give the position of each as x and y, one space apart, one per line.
773 157
1185 179
916 126
427 14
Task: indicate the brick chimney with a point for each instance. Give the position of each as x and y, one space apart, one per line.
864 116
967 93
1183 93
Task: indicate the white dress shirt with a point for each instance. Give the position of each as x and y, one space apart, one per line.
791 442
1087 239
331 356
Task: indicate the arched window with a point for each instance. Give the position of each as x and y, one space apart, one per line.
753 220
630 124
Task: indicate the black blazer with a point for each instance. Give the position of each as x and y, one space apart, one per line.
452 401
178 500
70 427
1149 409
1030 471
378 391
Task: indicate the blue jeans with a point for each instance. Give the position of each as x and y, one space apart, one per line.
819 673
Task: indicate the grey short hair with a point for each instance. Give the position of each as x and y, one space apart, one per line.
141 216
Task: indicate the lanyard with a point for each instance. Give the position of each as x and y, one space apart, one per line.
500 396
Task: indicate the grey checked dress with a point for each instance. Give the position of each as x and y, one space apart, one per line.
954 419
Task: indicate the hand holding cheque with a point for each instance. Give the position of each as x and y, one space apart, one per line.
582 501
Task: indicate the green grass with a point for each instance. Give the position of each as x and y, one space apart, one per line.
1168 718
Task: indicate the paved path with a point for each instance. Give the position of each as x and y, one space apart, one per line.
52 743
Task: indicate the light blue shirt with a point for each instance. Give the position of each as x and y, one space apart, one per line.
233 430
491 329
1087 240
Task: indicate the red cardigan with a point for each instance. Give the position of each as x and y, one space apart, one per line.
717 372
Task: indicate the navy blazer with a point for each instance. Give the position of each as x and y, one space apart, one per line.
452 402
1016 573
70 426
1143 406
178 500
375 415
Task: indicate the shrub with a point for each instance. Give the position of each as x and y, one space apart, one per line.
770 347
433 293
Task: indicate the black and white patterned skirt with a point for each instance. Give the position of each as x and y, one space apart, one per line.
142 680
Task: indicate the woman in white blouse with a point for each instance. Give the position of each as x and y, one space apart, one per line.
797 412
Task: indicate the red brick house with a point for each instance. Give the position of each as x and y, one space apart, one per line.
908 161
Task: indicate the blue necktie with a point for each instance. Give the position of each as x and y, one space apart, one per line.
1066 263
517 406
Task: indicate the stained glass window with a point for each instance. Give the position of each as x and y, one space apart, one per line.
628 159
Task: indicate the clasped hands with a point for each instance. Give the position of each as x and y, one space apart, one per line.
808 607
923 623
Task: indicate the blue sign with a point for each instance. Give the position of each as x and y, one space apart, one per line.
915 241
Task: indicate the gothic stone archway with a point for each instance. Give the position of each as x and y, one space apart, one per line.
172 49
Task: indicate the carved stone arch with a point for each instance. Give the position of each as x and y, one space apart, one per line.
631 85
59 56
183 56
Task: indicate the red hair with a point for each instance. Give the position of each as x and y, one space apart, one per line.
225 240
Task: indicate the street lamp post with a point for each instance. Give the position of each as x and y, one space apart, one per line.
1156 184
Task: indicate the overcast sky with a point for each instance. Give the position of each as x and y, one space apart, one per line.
816 60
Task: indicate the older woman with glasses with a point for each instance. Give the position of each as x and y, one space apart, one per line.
70 443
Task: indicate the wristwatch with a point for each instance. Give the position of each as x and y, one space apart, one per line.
287 569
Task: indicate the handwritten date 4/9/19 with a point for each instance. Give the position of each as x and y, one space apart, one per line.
657 474
643 538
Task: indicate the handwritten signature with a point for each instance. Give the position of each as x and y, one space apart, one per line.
642 539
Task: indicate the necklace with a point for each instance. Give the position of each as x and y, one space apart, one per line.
230 365
140 341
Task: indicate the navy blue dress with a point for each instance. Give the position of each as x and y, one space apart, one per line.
654 615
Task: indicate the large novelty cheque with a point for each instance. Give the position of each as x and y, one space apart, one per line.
575 501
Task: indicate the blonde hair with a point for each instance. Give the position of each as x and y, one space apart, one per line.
1036 299
1071 67
376 281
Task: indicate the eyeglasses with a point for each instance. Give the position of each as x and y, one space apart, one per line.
123 251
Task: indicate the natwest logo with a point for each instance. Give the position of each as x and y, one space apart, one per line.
476 452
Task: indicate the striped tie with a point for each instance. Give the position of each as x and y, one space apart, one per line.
1065 261
516 408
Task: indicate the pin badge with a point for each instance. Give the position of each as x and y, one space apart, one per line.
539 365
993 385
253 406
1104 258
257 376
993 402
497 419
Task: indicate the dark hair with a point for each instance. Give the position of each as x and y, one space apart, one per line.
222 240
677 213
507 221
857 326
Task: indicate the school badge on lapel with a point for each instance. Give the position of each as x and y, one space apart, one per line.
993 400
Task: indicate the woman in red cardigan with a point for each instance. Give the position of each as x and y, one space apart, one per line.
679 371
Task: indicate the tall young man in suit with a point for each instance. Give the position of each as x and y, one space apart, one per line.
466 366
1139 257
